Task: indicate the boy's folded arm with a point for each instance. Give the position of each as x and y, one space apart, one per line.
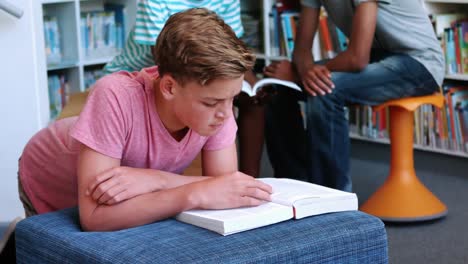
137 210
177 194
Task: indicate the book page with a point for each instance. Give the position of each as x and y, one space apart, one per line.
288 191
269 81
247 88
310 199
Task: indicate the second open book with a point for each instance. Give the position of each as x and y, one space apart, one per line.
252 91
290 199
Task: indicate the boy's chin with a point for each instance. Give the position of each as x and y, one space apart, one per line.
207 132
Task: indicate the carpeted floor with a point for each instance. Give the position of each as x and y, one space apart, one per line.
443 241
440 241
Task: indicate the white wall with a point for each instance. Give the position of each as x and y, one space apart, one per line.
19 99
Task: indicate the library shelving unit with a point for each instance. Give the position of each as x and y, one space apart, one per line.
72 62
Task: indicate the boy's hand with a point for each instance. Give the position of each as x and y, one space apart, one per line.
317 80
230 191
122 183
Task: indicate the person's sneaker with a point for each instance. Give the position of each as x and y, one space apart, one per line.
7 242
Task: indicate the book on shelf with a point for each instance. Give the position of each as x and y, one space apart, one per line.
463 42
462 109
52 40
289 22
326 39
252 91
459 104
59 90
291 199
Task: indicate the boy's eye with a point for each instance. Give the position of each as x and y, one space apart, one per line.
210 104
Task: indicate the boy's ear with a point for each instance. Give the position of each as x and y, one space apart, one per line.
167 86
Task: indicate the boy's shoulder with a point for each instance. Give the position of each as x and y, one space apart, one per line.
121 82
119 78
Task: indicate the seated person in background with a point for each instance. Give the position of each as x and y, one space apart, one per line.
138 131
392 53
137 54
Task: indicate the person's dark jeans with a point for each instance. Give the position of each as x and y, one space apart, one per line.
320 153
8 254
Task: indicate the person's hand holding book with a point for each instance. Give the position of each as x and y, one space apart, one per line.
280 73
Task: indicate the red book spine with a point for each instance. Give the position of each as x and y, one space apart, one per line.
456 39
326 39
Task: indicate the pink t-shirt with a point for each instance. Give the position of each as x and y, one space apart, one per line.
119 120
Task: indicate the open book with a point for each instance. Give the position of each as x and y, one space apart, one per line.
252 91
290 199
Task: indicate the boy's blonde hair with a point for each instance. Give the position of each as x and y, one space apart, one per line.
197 45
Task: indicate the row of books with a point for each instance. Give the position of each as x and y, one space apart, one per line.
456 108
283 32
365 122
59 90
445 128
455 46
452 31
283 27
283 19
101 34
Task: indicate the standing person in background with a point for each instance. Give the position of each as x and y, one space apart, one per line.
392 53
137 54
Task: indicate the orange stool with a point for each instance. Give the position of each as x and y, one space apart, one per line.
403 197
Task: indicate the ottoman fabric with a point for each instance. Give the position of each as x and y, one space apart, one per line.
347 237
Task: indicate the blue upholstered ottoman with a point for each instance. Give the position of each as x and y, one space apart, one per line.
348 237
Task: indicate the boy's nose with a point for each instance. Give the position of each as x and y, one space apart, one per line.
225 112
221 114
